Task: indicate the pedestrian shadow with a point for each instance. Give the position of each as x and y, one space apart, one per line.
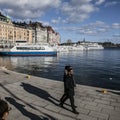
6 72
109 91
39 92
115 92
26 113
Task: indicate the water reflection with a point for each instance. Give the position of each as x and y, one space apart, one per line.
6 61
31 64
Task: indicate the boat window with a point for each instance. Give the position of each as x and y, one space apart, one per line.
30 48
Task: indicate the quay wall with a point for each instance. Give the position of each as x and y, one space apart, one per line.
38 98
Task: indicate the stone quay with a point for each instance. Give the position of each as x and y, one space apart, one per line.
36 98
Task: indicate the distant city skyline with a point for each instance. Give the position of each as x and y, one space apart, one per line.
92 20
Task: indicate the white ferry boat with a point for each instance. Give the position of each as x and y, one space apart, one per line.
92 46
29 50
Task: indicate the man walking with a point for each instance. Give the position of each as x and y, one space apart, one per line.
69 85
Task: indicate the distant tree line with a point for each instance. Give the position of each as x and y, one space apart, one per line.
110 44
104 44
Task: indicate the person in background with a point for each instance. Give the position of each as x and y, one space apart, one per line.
4 110
69 84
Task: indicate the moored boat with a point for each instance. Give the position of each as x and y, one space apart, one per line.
29 50
76 48
92 46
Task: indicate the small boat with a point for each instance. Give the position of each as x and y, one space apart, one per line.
29 50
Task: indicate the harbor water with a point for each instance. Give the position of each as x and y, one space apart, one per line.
98 68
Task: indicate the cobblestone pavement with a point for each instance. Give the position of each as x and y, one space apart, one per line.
35 98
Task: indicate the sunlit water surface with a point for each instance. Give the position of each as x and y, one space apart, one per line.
99 68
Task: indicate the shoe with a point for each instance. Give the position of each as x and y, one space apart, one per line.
61 105
75 106
76 112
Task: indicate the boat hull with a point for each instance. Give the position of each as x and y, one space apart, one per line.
49 53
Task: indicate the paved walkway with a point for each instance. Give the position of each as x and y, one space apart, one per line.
35 98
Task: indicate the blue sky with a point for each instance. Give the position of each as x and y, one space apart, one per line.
94 20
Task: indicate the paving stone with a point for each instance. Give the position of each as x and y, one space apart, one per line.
53 108
105 106
95 108
117 109
94 96
101 119
87 99
39 103
89 103
57 115
102 101
83 111
110 111
99 115
109 99
85 117
67 113
115 104
114 118
40 99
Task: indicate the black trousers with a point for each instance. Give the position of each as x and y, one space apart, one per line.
65 97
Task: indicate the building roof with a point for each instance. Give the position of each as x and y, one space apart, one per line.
2 16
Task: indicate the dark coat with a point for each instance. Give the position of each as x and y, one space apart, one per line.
69 84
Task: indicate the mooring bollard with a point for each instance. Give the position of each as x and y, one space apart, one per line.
28 76
104 91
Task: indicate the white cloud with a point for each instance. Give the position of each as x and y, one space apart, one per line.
111 3
31 3
22 9
44 23
94 29
116 25
77 11
116 35
56 21
99 2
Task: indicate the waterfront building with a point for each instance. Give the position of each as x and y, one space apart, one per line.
53 37
10 32
22 33
44 34
34 32
39 32
6 30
